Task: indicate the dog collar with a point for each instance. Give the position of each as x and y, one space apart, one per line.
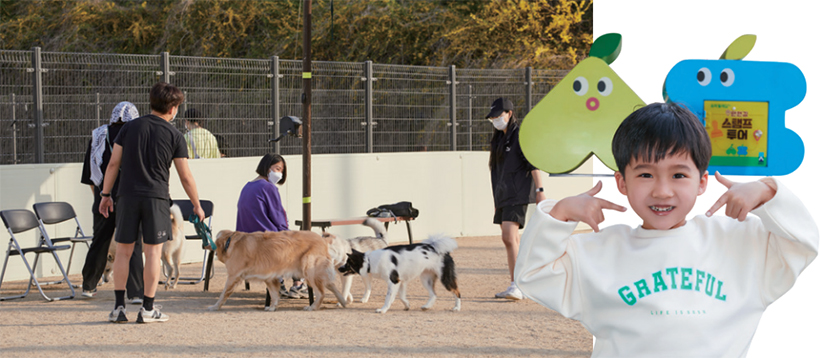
228 243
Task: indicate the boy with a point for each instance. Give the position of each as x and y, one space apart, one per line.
145 149
670 287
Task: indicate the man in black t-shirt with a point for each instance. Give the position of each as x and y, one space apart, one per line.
144 150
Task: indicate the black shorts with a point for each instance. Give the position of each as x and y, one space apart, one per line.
514 213
152 215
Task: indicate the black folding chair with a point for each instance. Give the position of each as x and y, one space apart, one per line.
208 256
19 221
55 212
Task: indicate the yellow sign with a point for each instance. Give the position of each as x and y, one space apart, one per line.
739 132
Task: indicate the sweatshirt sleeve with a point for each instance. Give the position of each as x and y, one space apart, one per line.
791 242
277 213
544 269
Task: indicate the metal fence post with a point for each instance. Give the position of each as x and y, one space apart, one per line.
274 101
37 91
453 107
528 88
165 67
14 126
470 116
368 105
98 109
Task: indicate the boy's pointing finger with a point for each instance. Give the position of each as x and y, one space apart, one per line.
718 204
721 179
610 205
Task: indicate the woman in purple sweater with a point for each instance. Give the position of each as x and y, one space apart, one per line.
260 207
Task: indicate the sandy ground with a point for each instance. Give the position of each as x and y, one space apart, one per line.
485 327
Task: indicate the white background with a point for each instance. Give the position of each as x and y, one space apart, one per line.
657 35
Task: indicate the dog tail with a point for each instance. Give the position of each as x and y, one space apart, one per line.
377 226
442 244
448 275
178 219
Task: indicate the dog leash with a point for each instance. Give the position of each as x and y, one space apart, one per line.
203 231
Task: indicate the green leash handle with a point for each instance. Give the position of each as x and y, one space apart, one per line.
203 231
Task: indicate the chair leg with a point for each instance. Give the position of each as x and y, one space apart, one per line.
209 270
65 278
70 257
409 232
196 280
3 275
36 258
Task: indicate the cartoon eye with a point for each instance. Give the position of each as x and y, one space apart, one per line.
704 76
604 86
580 86
727 77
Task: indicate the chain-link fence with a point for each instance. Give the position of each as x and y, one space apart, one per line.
50 102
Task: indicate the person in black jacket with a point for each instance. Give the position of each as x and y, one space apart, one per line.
514 181
94 165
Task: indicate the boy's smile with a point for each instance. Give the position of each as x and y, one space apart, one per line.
662 193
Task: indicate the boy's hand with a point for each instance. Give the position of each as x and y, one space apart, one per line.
584 208
741 198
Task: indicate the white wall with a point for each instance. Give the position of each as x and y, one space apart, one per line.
450 189
657 35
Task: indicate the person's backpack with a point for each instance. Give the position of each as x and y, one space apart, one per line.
402 208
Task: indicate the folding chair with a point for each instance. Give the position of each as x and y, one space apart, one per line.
208 256
18 221
51 213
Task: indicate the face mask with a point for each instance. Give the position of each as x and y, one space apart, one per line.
274 177
175 115
499 123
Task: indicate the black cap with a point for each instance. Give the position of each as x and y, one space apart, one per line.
499 105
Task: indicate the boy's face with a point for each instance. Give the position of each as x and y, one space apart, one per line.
662 193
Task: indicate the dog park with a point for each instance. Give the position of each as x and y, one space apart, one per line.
485 326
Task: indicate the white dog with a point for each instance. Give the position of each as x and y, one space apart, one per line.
399 264
339 249
172 249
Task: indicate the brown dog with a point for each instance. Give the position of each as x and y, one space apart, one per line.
266 256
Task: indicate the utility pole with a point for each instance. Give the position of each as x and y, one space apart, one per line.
306 84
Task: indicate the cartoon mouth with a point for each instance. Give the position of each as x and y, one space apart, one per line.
592 103
661 209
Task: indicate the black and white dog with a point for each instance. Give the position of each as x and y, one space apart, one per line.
339 248
399 264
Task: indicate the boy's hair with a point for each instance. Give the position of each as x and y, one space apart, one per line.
660 129
267 161
193 115
164 96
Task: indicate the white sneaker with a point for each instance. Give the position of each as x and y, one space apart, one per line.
151 316
118 315
514 294
135 300
511 293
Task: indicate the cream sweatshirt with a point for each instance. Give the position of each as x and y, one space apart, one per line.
698 290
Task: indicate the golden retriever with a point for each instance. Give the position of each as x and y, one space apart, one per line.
266 256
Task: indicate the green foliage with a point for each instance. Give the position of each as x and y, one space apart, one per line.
498 33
